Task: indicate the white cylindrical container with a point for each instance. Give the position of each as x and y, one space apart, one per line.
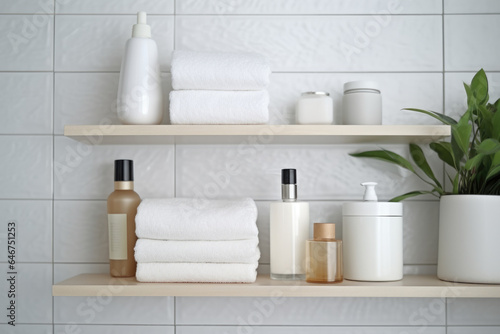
140 96
468 239
289 230
314 108
372 233
361 103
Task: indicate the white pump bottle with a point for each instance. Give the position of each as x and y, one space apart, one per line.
372 234
140 95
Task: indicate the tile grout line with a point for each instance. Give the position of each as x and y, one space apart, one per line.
175 165
444 165
274 72
53 152
175 144
444 80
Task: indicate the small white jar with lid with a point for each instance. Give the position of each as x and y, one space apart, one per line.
362 103
314 108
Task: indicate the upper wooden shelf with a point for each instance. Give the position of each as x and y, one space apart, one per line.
410 286
255 134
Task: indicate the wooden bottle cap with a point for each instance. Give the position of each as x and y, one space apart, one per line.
324 231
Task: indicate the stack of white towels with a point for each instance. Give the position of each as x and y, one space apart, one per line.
195 240
219 88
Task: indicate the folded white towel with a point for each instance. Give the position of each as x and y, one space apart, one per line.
219 107
227 251
197 272
196 219
219 71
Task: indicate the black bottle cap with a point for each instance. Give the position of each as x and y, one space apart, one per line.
288 176
124 170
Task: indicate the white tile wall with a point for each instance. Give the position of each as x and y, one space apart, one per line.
465 36
108 309
26 329
312 45
26 167
303 311
87 329
470 7
33 225
305 7
310 330
96 42
34 292
90 98
83 171
26 102
476 330
27 42
115 7
473 311
420 232
27 6
254 170
80 231
307 44
65 271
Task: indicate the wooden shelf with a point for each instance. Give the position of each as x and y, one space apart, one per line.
410 286
255 134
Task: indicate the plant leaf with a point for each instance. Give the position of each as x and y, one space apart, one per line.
474 162
496 159
420 160
488 146
470 96
408 195
479 87
386 156
496 124
440 117
461 133
455 183
493 172
496 105
495 166
445 153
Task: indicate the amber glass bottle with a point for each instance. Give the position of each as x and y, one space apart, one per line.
122 208
324 256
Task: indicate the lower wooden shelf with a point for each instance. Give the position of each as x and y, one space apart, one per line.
410 286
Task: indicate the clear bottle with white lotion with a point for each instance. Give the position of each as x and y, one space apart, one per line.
289 230
140 96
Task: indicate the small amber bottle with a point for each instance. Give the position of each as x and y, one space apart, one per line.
324 256
122 209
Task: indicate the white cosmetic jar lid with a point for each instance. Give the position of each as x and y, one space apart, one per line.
307 94
361 85
385 209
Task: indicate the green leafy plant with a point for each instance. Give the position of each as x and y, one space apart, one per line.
473 151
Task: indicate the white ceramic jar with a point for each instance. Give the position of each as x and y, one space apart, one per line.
372 234
362 103
314 108
468 239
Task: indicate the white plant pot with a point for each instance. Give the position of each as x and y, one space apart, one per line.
469 239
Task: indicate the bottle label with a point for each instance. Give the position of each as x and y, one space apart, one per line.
117 229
